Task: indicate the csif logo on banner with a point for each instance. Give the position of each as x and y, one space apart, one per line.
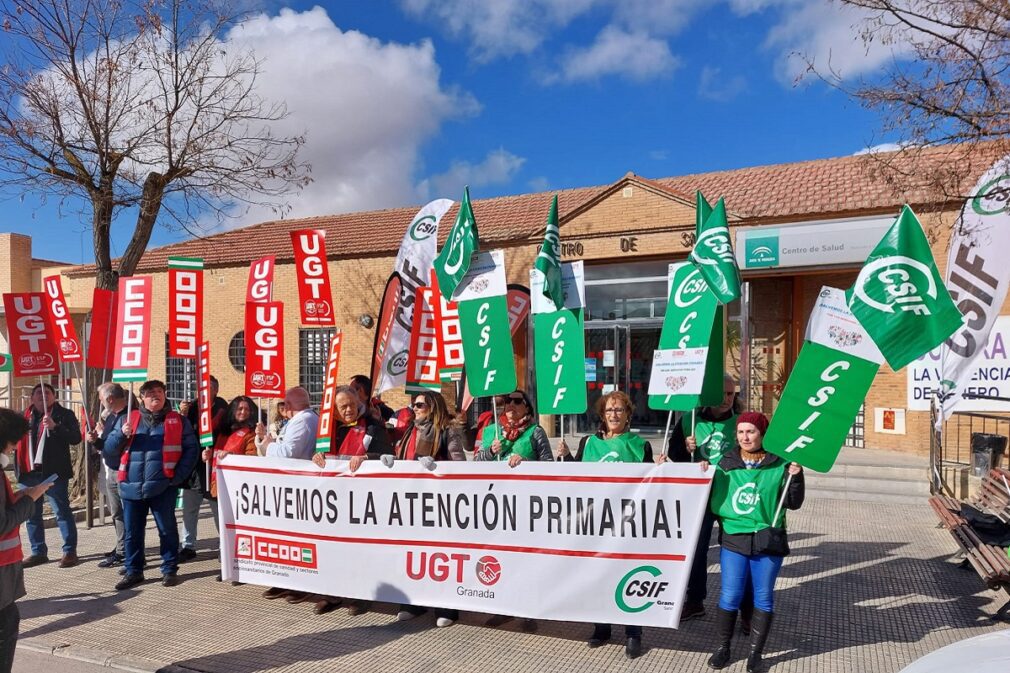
273 550
690 291
640 589
896 280
992 197
716 240
397 364
424 227
746 499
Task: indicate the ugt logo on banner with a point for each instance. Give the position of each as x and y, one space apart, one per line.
62 324
32 344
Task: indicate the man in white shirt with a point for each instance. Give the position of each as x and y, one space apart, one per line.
298 438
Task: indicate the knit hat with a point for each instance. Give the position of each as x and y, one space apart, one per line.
755 418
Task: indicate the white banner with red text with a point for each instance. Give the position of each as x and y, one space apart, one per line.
587 542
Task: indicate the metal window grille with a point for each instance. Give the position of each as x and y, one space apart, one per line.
313 349
236 351
180 377
857 433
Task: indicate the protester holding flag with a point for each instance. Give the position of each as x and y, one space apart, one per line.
196 489
14 510
156 449
613 443
516 436
433 434
749 489
237 435
44 452
114 400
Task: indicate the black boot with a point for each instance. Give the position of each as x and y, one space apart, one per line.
760 625
601 634
725 622
746 613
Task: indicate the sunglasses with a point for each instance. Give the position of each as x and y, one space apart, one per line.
514 400
420 405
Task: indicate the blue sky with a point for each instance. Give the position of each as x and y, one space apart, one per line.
406 100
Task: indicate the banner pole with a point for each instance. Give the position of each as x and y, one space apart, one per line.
45 412
129 404
497 429
84 398
89 514
782 500
666 433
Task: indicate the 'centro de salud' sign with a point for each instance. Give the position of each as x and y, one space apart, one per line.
812 244
990 375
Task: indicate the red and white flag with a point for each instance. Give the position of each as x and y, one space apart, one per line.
133 329
264 349
314 294
185 306
425 351
33 344
325 427
102 343
204 400
68 345
450 336
261 280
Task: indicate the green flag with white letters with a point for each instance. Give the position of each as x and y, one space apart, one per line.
560 355
549 258
713 255
899 296
453 260
484 326
702 210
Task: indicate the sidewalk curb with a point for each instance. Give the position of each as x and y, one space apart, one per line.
122 662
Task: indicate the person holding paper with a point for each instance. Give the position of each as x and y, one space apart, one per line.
614 442
705 435
43 452
433 434
516 436
356 437
750 488
15 509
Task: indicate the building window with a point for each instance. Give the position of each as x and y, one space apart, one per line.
236 352
180 377
313 350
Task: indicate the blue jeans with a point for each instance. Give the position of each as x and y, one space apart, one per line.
761 569
162 507
59 501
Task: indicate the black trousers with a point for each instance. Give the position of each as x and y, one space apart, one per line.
10 619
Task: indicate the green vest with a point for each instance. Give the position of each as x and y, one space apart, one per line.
714 438
745 500
624 448
523 444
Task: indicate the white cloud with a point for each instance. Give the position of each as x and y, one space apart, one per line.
367 107
498 167
659 155
539 184
712 85
636 56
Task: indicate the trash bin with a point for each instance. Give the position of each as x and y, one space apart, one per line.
986 452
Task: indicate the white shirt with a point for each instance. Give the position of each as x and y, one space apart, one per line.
298 439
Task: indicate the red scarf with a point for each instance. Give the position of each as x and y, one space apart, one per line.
353 442
511 430
233 443
24 450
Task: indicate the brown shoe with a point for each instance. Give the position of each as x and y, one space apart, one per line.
325 605
274 593
298 597
69 560
358 608
34 560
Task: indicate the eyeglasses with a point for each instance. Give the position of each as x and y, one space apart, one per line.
420 405
514 400
618 411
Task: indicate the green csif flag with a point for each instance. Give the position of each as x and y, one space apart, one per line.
484 327
826 387
559 342
713 254
453 260
702 210
899 296
694 319
549 258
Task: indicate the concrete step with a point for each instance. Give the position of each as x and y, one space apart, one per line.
833 482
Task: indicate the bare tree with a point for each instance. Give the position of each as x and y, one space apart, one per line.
946 89
134 104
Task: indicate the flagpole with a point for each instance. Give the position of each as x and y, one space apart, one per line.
497 423
84 399
666 433
782 500
45 411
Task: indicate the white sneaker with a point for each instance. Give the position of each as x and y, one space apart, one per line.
405 616
443 622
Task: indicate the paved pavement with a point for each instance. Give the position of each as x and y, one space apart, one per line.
867 588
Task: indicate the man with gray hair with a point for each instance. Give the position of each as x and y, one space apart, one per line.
114 403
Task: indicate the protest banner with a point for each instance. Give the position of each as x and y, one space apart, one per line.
205 400
519 303
899 297
693 320
559 341
133 329
315 298
413 266
424 354
264 349
33 345
185 306
609 543
713 254
260 287
102 342
484 326
450 338
454 259
62 324
324 429
828 384
977 280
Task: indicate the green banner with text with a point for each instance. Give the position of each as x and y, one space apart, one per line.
560 347
487 346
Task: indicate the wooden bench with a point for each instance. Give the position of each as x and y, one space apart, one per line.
990 562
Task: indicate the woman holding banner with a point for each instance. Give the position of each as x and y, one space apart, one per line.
516 436
433 434
357 436
613 443
749 490
238 435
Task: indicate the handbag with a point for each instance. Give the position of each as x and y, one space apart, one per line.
771 541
